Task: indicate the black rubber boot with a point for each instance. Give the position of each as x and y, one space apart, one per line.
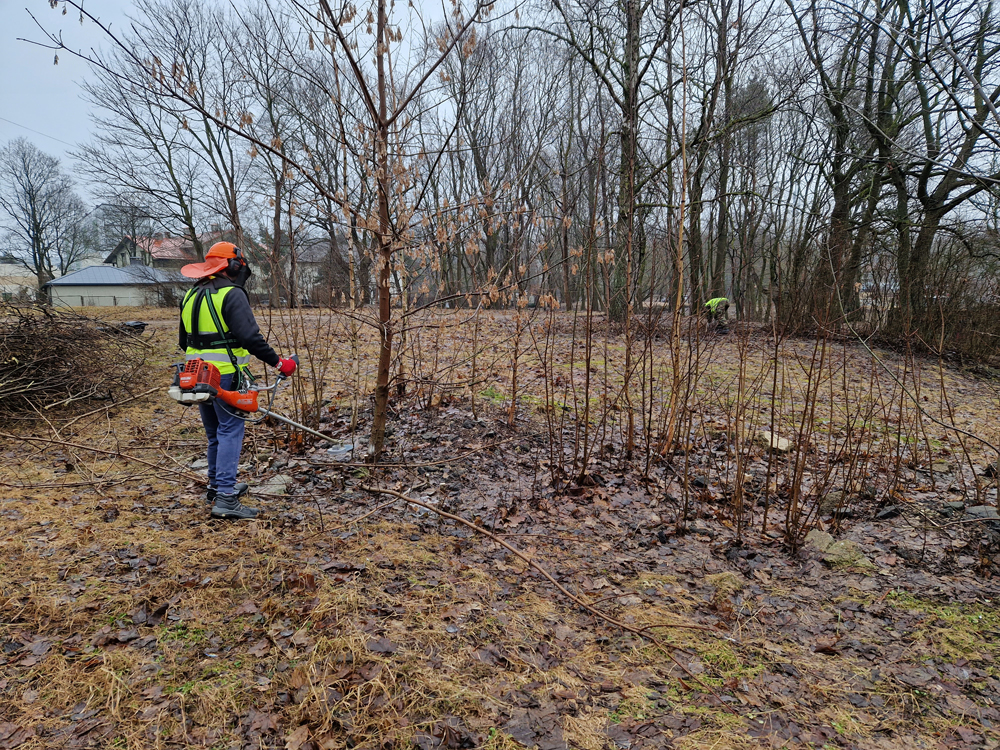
240 489
229 506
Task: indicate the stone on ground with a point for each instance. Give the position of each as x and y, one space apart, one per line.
775 443
276 485
842 554
819 540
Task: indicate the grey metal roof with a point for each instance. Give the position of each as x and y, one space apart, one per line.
110 276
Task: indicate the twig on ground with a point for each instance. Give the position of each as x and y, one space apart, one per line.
453 459
117 454
68 485
111 406
351 522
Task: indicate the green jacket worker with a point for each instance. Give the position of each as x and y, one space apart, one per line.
718 308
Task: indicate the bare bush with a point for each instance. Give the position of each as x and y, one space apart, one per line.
55 358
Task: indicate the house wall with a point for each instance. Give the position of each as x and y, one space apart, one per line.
102 296
15 282
123 256
170 264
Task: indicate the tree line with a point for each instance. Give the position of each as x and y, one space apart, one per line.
789 156
821 165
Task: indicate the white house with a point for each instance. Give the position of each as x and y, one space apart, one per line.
16 281
107 286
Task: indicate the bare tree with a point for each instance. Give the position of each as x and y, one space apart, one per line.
43 215
125 217
140 149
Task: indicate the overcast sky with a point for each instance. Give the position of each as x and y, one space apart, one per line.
41 101
38 100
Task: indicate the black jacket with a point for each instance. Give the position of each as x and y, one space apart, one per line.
236 314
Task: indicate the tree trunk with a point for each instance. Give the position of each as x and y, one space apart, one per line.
902 225
276 274
830 263
722 232
725 148
293 276
384 247
695 241
567 295
618 305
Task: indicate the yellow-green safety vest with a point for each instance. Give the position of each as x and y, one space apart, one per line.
206 342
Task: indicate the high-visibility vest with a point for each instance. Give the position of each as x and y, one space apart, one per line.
714 303
205 340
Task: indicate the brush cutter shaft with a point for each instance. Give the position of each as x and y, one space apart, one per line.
302 427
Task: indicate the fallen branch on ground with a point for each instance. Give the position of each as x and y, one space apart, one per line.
112 406
116 454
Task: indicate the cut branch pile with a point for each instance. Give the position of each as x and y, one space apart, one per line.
51 358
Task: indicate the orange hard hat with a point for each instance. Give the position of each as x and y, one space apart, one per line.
216 260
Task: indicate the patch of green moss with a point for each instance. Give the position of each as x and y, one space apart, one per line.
956 630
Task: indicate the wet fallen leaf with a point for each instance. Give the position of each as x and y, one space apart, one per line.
826 646
297 738
249 607
381 646
14 735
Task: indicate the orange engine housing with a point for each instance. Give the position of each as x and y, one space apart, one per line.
200 381
199 376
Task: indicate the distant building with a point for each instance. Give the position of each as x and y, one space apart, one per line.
159 251
321 270
108 286
17 283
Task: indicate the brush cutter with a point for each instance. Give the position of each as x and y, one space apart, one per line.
197 381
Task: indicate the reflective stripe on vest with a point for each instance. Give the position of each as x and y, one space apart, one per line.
202 318
222 359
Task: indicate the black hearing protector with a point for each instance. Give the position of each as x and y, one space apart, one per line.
238 270
236 264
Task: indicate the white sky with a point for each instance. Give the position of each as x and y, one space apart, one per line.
41 101
41 98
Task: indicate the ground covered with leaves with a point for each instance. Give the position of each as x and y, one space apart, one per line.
346 617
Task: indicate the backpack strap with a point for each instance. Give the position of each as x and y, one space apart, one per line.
242 376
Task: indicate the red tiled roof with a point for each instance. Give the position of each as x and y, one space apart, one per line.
168 248
174 248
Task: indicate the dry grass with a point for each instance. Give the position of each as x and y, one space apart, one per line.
256 640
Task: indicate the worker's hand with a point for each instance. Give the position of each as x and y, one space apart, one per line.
287 366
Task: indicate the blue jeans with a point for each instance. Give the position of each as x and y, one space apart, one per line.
225 441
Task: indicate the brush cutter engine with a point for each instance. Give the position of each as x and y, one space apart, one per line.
197 382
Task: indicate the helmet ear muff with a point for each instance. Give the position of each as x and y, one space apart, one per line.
238 270
236 264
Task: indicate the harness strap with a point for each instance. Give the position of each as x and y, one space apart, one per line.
241 376
210 357
209 340
198 338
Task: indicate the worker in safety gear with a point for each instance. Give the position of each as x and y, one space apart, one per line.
718 313
226 339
